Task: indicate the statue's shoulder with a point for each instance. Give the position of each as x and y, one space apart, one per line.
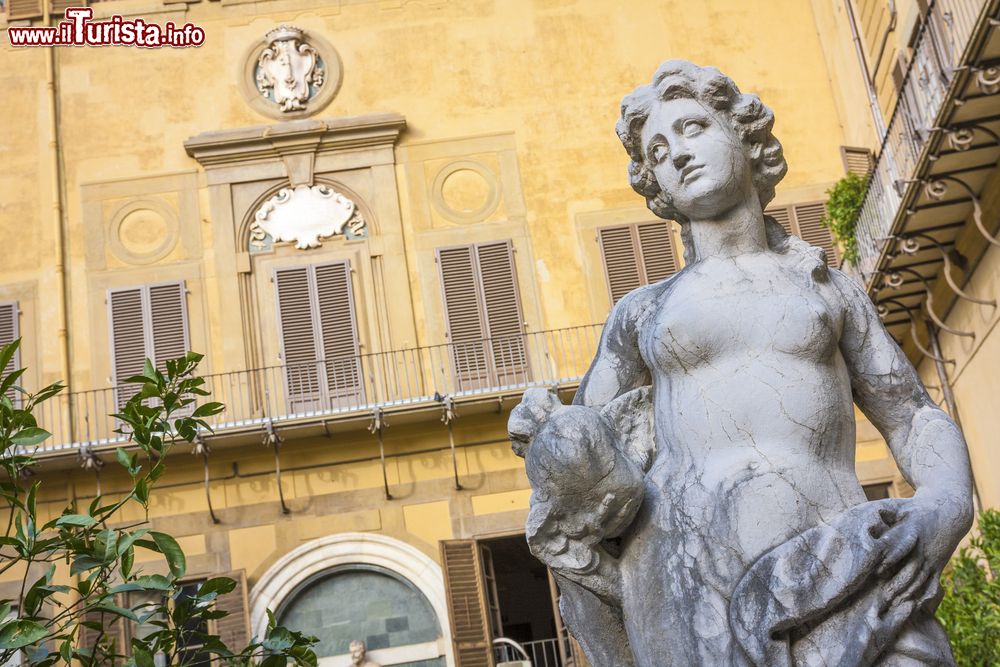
635 308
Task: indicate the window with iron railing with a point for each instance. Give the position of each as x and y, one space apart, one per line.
148 321
483 314
319 336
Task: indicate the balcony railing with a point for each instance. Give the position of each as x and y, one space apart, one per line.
936 60
331 388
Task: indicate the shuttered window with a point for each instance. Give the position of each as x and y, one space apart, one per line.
467 603
319 337
636 255
9 332
483 313
146 322
806 222
24 9
857 160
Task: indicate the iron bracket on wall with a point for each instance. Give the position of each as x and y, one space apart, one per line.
273 440
910 245
936 188
378 424
448 417
894 279
199 447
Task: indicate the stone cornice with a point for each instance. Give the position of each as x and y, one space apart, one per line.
260 143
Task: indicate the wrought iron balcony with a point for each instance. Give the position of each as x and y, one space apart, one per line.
940 150
345 387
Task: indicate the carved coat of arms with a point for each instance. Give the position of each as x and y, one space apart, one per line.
289 70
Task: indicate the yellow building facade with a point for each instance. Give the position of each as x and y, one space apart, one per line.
475 225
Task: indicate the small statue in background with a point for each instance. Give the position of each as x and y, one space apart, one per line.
359 655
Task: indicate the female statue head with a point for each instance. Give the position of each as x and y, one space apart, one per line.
758 166
751 121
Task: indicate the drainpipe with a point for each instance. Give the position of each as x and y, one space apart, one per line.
865 76
949 400
55 153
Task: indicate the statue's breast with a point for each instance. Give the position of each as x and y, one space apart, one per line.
707 320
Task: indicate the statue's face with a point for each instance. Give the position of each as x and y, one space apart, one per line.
357 653
697 157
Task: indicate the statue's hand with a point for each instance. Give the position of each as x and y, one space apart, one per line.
916 549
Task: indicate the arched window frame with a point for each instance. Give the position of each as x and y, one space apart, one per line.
327 554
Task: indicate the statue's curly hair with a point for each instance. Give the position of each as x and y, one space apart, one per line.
751 119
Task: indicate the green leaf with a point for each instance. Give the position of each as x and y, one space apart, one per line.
75 520
127 560
66 651
7 352
208 409
217 585
30 436
117 611
155 582
142 657
21 633
274 661
30 500
142 491
126 540
84 564
9 381
172 551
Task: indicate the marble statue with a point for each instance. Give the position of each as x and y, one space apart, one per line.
359 655
698 502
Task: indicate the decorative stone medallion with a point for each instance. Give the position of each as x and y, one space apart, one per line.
304 215
290 73
143 231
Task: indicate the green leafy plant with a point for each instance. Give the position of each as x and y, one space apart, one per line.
970 610
842 207
49 620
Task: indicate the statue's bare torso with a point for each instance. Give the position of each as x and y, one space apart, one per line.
754 435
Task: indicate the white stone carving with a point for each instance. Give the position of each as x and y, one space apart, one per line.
305 215
288 69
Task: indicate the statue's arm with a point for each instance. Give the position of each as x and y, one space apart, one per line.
926 443
618 366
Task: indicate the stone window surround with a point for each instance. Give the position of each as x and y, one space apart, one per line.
345 549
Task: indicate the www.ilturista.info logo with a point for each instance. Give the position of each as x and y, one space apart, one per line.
79 30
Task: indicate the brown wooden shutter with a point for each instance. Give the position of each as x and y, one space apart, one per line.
467 603
809 220
59 6
168 316
783 216
857 160
234 629
339 333
128 340
24 9
8 334
621 266
636 255
504 322
298 337
319 329
464 316
656 243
